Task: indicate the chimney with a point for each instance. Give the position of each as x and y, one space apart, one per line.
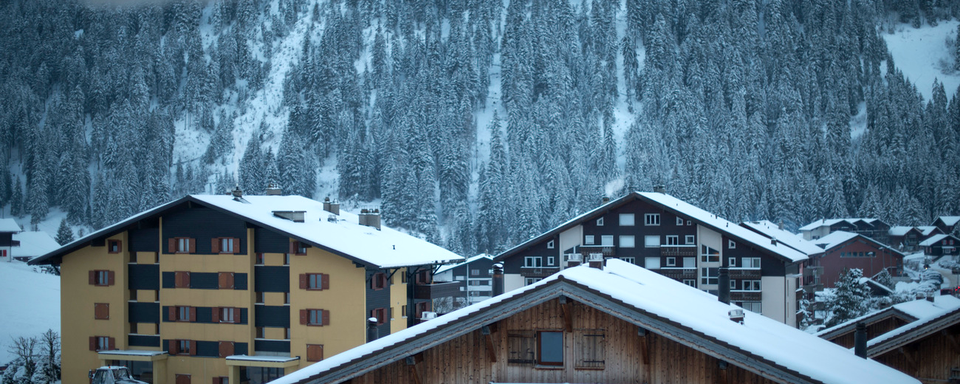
930 297
370 218
736 315
659 188
596 260
780 225
372 332
273 190
604 200
724 295
330 206
497 279
860 340
773 241
237 193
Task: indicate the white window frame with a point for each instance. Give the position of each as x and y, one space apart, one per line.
589 240
606 240
679 221
751 285
627 220
631 260
689 261
731 244
649 242
226 245
628 241
690 239
531 280
689 223
550 244
673 240
651 262
533 262
690 282
671 261
550 260
731 261
750 263
600 222
183 245
651 219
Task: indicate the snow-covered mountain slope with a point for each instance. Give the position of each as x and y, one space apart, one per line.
925 54
29 304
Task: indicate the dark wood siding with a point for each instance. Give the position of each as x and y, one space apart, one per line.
203 224
271 279
143 276
378 298
144 239
930 358
875 329
267 241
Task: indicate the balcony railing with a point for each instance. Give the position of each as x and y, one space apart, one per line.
678 250
745 295
678 273
538 271
606 250
438 289
742 273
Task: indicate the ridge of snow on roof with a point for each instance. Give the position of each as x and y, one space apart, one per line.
773 231
829 222
834 239
648 291
917 309
933 240
926 230
448 267
9 225
949 220
386 248
899 230
724 226
33 244
925 314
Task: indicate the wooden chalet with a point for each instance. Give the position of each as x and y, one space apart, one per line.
927 349
846 250
888 319
946 223
908 239
618 324
940 245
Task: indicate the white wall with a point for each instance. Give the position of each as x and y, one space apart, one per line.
512 281
773 302
568 239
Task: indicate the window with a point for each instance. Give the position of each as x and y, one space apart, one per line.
391 313
600 222
101 311
732 262
530 280
521 347
651 219
606 240
626 220
423 306
710 276
651 241
316 317
588 240
550 244
733 284
225 280
403 311
673 240
752 306
259 260
225 349
286 259
181 279
689 262
258 297
751 285
101 278
286 297
690 282
671 261
260 333
221 380
225 245
709 255
226 315
183 347
731 244
550 348
133 328
474 272
378 281
181 245
627 241
314 352
689 239
551 260
689 223
380 314
183 379
532 262
679 221
298 248
751 262
652 263
631 260
113 246
102 343
321 281
182 313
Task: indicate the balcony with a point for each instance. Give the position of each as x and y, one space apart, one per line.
678 250
678 273
438 289
586 250
745 295
741 273
539 272
812 271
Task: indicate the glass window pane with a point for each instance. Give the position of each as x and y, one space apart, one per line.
551 348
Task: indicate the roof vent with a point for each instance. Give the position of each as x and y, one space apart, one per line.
273 190
294 216
736 315
332 218
331 206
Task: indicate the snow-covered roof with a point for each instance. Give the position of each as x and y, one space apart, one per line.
834 239
33 244
949 220
792 240
384 248
926 230
830 222
933 240
9 225
448 267
914 310
899 230
931 318
722 225
777 349
270 359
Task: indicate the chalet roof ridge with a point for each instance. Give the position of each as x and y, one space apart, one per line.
907 333
935 238
836 238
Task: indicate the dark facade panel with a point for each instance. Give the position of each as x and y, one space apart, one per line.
6 239
203 224
240 348
143 341
144 240
169 279
204 315
272 279
144 313
267 241
144 276
204 280
271 346
240 281
378 299
208 348
271 316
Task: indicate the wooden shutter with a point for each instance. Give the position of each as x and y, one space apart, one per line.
326 317
193 318
230 280
236 245
183 379
172 313
215 315
193 245
324 281
110 277
226 348
172 346
101 311
304 280
314 352
193 347
293 247
111 343
93 343
172 245
304 316
215 245
93 277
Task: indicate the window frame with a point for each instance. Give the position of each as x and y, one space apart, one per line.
627 220
731 244
541 340
533 262
311 356
114 246
632 243
600 222
673 240
378 281
316 281
647 241
690 239
550 244
589 240
671 261
651 219
679 221
102 277
315 317
551 261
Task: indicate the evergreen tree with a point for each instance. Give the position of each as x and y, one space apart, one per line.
64 233
850 299
16 200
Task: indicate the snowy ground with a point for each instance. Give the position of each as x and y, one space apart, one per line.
30 302
924 54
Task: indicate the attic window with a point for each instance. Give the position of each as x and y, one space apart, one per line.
294 216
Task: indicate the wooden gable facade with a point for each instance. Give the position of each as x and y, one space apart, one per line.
928 349
858 252
877 324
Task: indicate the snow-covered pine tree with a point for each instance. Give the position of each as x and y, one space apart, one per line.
16 199
64 233
850 300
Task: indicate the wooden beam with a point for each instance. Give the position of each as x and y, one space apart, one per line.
908 355
414 373
644 346
566 306
488 340
951 339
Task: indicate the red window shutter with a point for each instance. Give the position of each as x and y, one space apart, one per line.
221 280
193 345
172 313
193 245
186 279
110 277
230 280
304 316
326 317
236 245
215 245
193 314
93 277
172 346
226 349
111 343
293 247
172 245
303 281
324 281
215 314
93 343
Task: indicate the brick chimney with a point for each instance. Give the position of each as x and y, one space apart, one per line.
331 206
370 218
273 190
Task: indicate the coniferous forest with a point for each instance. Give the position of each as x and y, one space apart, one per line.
475 124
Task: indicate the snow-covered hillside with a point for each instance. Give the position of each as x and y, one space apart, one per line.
924 55
29 304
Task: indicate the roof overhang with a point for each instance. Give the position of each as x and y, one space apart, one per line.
132 355
913 333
